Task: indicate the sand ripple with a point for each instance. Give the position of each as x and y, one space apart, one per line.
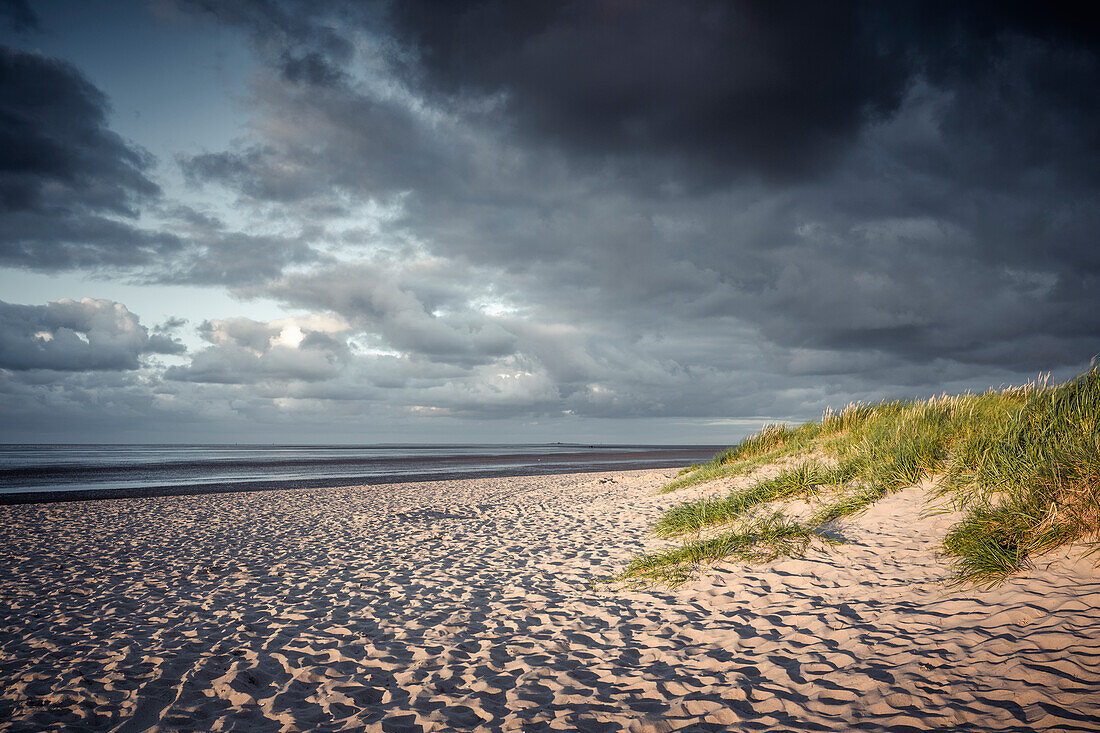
469 605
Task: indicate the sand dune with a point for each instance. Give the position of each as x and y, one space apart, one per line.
470 605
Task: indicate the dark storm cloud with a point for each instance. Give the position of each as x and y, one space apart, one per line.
709 89
68 184
66 240
56 144
628 210
72 191
777 89
716 89
774 89
338 140
18 15
70 335
929 173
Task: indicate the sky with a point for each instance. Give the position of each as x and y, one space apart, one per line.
606 221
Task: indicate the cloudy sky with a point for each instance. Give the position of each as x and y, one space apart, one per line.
598 220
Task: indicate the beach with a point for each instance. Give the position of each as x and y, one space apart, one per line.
479 604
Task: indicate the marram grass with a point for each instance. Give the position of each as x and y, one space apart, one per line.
799 481
755 538
1022 464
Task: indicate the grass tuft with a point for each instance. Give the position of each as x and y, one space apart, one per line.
756 539
800 481
1022 464
847 504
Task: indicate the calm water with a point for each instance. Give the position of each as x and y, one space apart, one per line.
65 471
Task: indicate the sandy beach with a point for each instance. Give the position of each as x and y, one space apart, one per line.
472 604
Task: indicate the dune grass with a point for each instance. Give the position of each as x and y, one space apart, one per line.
1022 464
800 481
716 469
756 538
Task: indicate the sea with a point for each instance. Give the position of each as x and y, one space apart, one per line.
34 473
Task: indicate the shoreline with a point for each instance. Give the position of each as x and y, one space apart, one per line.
149 492
470 604
375 470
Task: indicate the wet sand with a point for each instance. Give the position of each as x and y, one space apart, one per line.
469 605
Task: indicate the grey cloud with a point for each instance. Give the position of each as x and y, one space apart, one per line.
236 258
939 264
71 191
676 216
703 92
69 186
310 68
71 335
243 332
708 88
773 89
124 406
194 219
893 253
779 90
238 365
340 140
171 325
81 241
376 301
300 26
245 351
57 148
